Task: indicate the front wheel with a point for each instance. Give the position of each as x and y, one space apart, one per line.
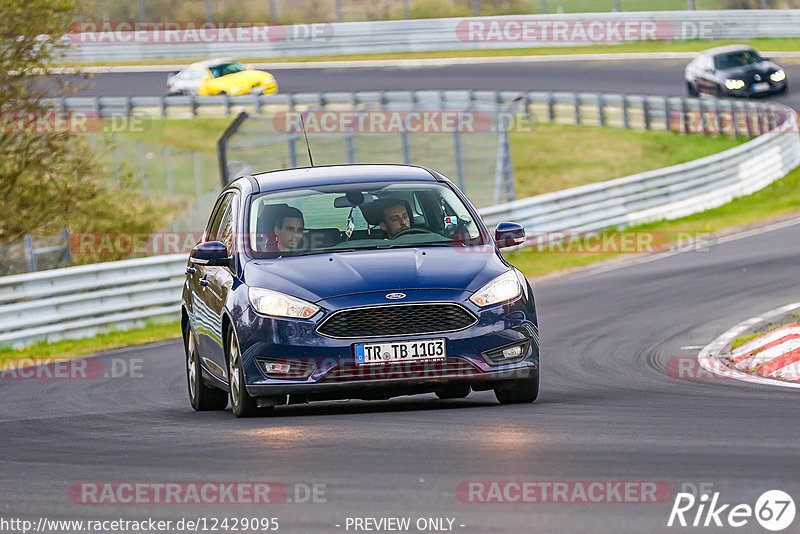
525 391
242 404
692 90
202 397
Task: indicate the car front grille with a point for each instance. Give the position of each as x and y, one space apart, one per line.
397 320
447 367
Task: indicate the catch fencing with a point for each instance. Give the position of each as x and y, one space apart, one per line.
79 301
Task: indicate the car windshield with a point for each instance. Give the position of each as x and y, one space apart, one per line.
736 59
226 68
350 217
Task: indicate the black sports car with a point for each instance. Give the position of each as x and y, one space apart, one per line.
735 70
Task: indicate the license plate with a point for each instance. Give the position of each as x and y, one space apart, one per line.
422 349
761 86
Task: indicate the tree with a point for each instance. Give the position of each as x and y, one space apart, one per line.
50 177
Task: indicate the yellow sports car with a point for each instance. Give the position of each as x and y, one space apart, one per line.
221 77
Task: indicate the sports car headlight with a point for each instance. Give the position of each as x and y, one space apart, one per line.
777 76
504 287
270 302
734 84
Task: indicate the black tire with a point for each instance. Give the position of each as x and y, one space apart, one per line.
458 392
242 404
524 391
692 90
203 398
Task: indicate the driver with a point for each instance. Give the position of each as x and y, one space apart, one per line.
395 218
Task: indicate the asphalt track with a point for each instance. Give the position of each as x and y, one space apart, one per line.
643 76
609 409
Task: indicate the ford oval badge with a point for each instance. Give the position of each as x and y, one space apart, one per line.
396 296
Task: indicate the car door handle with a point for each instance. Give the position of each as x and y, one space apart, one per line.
191 270
204 282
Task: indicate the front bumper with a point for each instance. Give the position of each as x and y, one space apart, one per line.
335 375
749 90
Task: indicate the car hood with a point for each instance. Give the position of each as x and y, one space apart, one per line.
244 76
322 276
764 68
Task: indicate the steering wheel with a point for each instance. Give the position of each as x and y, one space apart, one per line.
409 231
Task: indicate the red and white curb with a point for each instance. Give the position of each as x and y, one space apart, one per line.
773 358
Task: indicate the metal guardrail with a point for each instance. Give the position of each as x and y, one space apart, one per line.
443 34
79 301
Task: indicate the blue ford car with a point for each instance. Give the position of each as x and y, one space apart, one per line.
354 281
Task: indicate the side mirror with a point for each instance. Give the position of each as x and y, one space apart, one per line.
211 253
509 234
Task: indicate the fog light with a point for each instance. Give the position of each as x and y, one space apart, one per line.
271 367
511 353
285 368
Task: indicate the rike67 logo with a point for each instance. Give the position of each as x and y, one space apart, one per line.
774 510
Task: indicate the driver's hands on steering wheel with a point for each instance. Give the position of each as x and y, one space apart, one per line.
408 231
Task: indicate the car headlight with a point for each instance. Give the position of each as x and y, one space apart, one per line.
777 76
504 287
268 302
734 84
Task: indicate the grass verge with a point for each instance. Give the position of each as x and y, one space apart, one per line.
544 158
763 45
780 198
75 348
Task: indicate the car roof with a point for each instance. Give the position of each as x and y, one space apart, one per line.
725 50
212 62
341 174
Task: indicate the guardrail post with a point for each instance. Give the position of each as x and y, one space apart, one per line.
459 162
703 118
749 119
142 164
193 104
626 119
646 113
667 111
551 107
129 107
66 254
97 106
685 126
718 117
577 97
30 252
258 104
735 118
601 109
226 99
163 104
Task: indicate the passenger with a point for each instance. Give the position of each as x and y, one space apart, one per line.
289 226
